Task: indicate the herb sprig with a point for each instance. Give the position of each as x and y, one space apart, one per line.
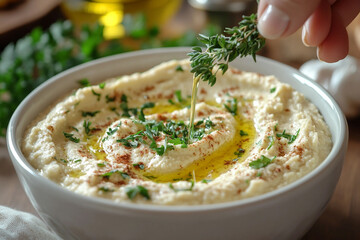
244 40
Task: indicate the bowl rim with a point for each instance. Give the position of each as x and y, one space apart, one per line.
17 157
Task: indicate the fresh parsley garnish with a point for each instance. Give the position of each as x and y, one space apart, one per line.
239 152
71 137
289 137
132 192
90 114
108 174
113 109
98 95
124 107
271 139
75 128
102 85
179 68
86 125
109 99
133 140
178 96
272 90
232 106
105 189
261 162
146 105
243 133
63 160
206 180
139 166
84 82
174 133
111 131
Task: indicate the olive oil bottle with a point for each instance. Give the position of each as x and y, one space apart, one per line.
111 13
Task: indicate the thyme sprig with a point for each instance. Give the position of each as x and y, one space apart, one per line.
244 40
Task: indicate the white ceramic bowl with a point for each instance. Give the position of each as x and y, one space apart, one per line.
286 213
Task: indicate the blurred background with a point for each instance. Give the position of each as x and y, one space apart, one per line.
163 20
40 38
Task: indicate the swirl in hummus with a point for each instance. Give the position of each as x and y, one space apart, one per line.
127 139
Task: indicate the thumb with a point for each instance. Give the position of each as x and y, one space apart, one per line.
280 18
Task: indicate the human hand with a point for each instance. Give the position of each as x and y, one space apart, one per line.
324 23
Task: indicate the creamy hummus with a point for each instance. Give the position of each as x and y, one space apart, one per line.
127 139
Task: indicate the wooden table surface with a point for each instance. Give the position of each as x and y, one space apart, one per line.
340 220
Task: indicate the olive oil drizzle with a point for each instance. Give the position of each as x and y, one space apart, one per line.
195 87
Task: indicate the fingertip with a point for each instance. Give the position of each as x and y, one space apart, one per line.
273 22
336 45
317 26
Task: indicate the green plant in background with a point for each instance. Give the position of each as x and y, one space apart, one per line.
30 61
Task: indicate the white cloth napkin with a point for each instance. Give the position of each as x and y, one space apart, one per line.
21 225
341 79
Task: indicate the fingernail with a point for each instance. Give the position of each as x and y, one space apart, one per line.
318 54
304 34
273 22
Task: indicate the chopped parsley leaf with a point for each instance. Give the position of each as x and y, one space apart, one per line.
114 110
171 101
84 82
91 114
239 152
102 85
75 128
105 189
179 68
86 126
243 133
289 137
98 95
271 139
232 106
272 90
150 177
101 164
206 180
71 137
132 192
139 165
178 96
109 99
132 140
146 105
261 162
124 98
111 131
63 160
176 141
108 174
124 107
